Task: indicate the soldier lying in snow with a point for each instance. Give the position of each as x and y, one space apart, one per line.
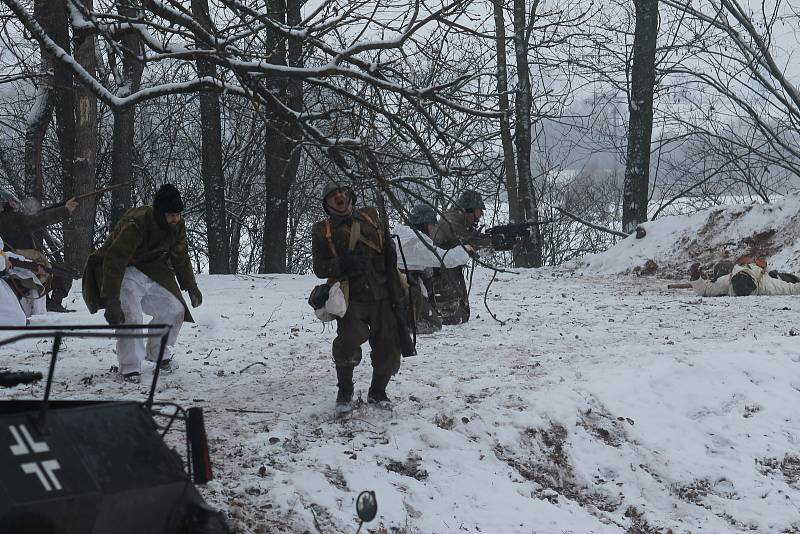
746 277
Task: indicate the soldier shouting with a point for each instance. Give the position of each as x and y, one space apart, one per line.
348 247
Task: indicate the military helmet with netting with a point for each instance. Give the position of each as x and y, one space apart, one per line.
470 200
422 214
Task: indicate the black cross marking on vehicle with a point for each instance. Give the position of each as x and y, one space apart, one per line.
25 445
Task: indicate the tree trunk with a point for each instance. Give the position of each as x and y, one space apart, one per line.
235 246
64 92
211 165
79 229
124 125
282 154
532 245
38 118
282 160
640 125
516 212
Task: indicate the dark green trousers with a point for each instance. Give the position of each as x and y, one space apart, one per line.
61 284
427 318
371 321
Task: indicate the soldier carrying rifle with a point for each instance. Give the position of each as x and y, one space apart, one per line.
21 233
459 229
350 247
421 257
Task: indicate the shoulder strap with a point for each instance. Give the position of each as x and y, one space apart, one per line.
377 230
355 235
329 237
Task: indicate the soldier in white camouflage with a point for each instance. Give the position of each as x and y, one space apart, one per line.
421 258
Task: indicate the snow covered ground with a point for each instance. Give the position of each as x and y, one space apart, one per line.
600 403
604 403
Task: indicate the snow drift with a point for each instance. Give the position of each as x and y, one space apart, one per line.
726 232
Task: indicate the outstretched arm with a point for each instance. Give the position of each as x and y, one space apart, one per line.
46 217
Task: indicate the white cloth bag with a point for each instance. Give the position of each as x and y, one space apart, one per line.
335 306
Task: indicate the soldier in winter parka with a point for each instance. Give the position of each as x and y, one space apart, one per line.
11 313
135 272
348 247
418 260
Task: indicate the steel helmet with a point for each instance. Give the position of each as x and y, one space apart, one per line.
422 214
470 200
332 187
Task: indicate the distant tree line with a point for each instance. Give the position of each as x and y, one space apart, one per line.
586 119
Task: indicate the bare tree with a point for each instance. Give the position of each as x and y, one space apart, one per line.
282 149
78 230
213 178
128 77
515 209
640 106
339 42
739 96
41 112
523 104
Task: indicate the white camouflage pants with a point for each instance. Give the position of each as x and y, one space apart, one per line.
141 294
11 313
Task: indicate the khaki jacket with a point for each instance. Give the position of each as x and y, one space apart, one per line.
458 228
139 241
327 252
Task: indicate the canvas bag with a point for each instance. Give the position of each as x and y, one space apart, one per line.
335 305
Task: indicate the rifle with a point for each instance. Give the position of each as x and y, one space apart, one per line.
505 236
55 270
9 379
682 285
84 195
407 343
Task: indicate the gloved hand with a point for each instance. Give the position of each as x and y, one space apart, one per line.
319 296
353 264
113 313
195 297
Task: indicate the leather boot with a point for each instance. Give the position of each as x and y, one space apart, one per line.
53 302
344 379
377 391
